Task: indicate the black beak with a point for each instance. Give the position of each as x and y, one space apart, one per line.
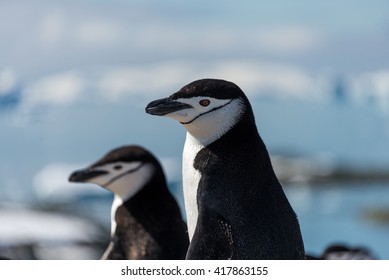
165 106
84 175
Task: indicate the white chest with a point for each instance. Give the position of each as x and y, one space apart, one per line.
191 178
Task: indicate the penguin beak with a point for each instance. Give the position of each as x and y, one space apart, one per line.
165 106
85 175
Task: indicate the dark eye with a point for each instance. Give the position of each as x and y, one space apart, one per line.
204 102
117 167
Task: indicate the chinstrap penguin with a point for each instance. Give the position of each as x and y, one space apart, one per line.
235 205
146 221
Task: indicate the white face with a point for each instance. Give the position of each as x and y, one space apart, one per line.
209 118
124 179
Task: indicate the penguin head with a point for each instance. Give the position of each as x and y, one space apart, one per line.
124 171
208 108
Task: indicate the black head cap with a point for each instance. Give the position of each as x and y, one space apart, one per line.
127 154
215 88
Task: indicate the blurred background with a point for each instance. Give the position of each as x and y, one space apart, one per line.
75 77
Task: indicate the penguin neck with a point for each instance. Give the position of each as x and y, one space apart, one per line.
136 202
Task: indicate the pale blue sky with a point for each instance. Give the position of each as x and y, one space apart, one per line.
48 36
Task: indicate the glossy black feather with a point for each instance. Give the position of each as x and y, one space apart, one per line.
238 187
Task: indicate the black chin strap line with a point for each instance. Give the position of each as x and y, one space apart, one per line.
214 109
123 174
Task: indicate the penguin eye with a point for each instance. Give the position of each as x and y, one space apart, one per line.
204 102
117 167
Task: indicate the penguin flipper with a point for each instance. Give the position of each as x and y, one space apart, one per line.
212 239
